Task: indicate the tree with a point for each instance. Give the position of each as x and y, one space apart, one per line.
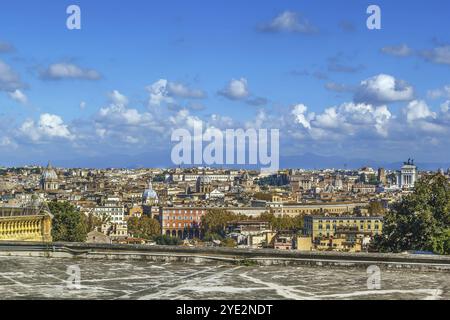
159 177
274 180
167 240
420 221
441 242
376 208
283 222
228 242
373 180
92 222
144 227
263 196
68 223
216 220
209 236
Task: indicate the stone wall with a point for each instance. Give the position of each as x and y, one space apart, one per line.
228 255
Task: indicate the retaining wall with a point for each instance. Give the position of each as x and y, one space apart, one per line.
224 255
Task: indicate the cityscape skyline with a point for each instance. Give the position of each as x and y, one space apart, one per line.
307 162
111 93
202 152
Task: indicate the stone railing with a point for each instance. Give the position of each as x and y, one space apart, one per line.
23 224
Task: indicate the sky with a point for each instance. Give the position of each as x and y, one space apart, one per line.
112 92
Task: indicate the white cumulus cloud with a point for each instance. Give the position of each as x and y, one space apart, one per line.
117 98
9 79
18 96
181 90
439 55
164 91
417 110
49 126
236 89
299 112
289 21
440 93
383 89
158 93
60 71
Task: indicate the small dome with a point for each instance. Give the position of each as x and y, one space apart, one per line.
49 173
149 193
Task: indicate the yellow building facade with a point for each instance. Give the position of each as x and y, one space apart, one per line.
345 233
326 226
25 224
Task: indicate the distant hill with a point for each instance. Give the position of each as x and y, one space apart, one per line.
313 161
162 160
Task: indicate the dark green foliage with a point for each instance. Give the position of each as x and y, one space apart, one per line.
283 222
144 227
274 180
421 221
216 220
376 208
165 240
209 236
68 223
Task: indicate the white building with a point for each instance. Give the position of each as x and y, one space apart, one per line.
216 194
115 212
407 176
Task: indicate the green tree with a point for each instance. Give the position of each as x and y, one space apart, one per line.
144 227
373 180
283 222
68 223
159 177
92 222
216 220
376 208
419 221
274 180
165 240
441 242
228 242
209 236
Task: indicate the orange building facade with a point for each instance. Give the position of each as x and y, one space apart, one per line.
182 222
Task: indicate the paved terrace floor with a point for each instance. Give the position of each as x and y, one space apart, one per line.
44 278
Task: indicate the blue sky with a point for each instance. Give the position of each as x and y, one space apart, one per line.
310 68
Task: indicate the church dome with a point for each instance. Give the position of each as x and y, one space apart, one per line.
49 174
149 194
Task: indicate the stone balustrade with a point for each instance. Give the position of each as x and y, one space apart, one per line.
22 224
